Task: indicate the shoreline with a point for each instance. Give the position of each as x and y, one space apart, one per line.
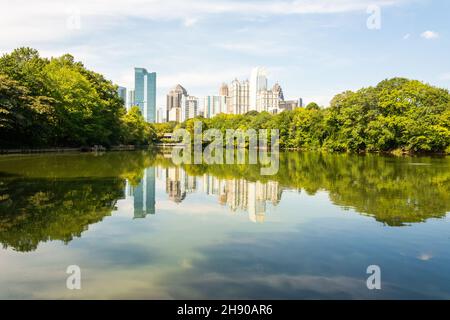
69 150
396 152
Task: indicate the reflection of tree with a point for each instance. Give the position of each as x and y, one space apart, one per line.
57 197
395 191
35 210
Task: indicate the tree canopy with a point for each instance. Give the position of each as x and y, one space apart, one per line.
58 102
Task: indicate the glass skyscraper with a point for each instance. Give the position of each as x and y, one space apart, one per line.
122 92
145 93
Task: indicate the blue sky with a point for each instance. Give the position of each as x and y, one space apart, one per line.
313 48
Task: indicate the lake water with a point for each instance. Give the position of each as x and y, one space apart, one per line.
139 226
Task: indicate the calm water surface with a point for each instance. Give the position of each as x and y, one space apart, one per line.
140 227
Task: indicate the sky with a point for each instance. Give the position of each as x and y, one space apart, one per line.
313 48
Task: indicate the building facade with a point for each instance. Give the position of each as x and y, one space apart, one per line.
122 93
214 105
258 83
189 107
238 102
145 93
173 103
130 99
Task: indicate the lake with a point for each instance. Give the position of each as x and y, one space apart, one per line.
139 226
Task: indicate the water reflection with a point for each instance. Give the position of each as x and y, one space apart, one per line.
142 227
236 194
143 194
45 198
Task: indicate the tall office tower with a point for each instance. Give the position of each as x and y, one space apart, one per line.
122 93
189 107
258 82
174 98
130 100
158 115
214 105
224 92
269 100
300 102
145 93
238 102
277 89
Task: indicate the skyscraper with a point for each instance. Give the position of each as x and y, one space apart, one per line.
189 107
214 105
174 98
238 97
258 82
130 101
145 93
122 93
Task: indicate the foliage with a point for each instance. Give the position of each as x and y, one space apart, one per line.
58 102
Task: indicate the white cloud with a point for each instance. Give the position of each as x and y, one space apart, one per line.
189 22
429 35
47 20
259 48
406 36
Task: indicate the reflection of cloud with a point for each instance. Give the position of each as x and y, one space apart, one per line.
425 256
199 209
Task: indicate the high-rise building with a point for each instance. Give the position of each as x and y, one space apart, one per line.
258 82
189 107
238 102
214 105
173 105
130 99
145 93
223 91
160 115
122 93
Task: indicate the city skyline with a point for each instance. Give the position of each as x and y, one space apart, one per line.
310 46
237 97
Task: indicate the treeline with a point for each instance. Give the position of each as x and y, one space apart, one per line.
396 115
57 102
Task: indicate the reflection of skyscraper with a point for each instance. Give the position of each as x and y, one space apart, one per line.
144 195
237 194
175 187
149 191
240 194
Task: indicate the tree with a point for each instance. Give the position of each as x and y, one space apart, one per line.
312 106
